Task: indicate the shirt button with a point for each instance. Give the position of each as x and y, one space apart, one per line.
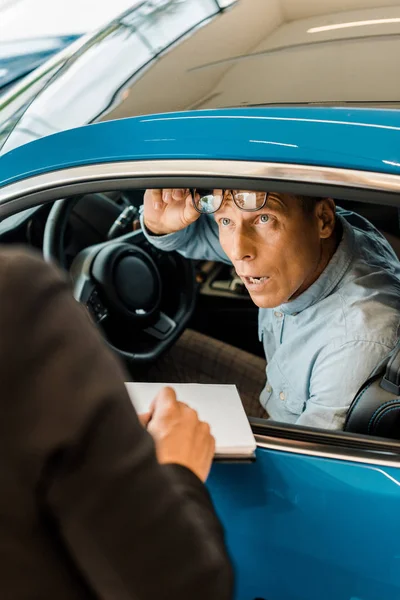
269 389
278 314
282 396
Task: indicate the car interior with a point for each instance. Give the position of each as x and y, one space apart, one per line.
205 296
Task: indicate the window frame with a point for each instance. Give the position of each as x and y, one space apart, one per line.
345 184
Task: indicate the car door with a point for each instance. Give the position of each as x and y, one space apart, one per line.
311 520
315 516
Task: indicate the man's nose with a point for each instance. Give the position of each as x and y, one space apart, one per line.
242 246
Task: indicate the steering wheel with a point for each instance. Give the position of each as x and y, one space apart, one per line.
123 283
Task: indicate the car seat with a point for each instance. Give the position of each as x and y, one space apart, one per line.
376 408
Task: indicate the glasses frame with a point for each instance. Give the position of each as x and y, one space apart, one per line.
202 212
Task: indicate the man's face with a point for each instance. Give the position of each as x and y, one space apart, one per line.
278 250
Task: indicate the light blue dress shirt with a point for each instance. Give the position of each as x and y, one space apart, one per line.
322 346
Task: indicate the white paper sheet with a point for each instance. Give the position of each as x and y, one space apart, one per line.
219 405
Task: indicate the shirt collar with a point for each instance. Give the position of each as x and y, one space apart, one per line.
330 277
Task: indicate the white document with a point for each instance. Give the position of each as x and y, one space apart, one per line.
219 405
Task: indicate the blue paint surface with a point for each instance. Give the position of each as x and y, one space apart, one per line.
335 137
306 528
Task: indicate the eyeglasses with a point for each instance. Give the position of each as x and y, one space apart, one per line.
209 201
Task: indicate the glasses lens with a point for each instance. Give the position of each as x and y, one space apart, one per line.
249 200
207 201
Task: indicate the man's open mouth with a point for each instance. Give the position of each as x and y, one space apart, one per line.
253 281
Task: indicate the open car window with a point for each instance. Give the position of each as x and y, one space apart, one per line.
222 290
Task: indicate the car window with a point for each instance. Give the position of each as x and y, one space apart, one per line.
312 349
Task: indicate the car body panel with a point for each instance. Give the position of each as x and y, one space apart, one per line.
300 525
350 139
307 528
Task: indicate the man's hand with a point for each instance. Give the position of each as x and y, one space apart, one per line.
167 211
180 437
144 419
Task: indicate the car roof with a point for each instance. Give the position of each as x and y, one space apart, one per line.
349 139
167 56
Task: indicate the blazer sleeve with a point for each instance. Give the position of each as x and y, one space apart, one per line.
134 528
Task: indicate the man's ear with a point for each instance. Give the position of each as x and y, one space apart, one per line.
326 215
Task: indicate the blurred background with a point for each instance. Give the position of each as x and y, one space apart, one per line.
64 63
33 30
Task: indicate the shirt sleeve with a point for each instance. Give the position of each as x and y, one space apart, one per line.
198 241
132 527
336 377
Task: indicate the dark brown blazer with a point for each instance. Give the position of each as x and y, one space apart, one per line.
86 511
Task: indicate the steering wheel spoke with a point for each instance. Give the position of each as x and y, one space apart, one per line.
162 328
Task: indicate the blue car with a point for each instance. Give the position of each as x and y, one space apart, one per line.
290 96
315 516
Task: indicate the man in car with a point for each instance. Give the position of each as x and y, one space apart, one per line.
327 284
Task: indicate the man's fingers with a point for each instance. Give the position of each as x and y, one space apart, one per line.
180 194
205 428
164 402
167 195
211 442
154 197
144 418
157 200
180 437
175 195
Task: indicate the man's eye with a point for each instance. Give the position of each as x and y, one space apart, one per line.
225 222
264 218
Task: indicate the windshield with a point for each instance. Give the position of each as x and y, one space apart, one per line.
171 55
